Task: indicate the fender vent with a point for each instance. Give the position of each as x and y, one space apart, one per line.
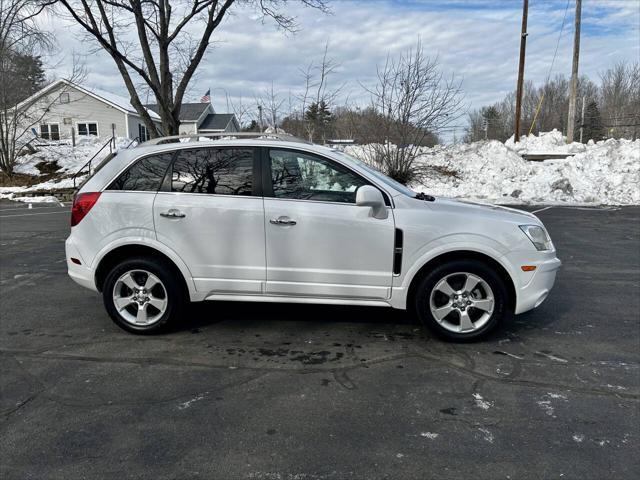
397 252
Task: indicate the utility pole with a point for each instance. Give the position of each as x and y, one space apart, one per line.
574 75
523 46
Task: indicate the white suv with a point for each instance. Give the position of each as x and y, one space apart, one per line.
278 220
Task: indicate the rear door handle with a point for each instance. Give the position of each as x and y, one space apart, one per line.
282 221
172 213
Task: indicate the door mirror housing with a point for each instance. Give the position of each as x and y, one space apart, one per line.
368 196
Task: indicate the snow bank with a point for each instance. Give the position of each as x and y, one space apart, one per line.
12 192
47 199
607 172
546 142
68 158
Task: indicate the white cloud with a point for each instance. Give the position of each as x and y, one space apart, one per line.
475 39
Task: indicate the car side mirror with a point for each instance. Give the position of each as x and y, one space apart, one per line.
368 196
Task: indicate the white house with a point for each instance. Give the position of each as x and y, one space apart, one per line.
202 118
63 106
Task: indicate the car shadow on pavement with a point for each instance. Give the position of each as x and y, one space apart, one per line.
206 313
265 315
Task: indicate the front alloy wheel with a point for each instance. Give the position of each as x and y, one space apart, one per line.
461 300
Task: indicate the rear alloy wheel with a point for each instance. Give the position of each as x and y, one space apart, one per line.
142 295
461 300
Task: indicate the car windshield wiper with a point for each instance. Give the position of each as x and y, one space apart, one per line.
425 197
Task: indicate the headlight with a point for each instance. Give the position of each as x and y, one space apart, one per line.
538 236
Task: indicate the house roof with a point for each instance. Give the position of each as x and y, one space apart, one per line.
189 112
116 101
216 121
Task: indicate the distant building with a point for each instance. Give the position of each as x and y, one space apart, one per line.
63 106
202 118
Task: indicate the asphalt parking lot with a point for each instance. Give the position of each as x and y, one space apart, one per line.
306 392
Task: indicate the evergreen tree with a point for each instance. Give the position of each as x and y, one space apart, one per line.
593 129
252 127
319 118
492 118
22 75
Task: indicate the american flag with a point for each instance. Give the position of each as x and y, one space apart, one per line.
206 98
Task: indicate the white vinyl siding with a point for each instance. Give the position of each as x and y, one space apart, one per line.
81 109
134 126
188 128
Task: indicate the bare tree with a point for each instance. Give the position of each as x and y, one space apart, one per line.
617 97
271 102
20 41
413 100
153 42
241 110
317 96
620 100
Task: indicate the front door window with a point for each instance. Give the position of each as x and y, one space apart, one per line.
300 176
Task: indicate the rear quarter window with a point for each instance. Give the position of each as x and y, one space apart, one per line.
145 175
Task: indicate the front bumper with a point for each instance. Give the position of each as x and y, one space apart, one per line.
79 273
532 288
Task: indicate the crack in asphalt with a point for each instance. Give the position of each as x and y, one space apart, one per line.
58 400
345 381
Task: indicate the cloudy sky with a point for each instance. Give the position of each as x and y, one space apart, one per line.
477 40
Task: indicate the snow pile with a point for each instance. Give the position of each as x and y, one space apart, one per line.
47 199
64 158
68 158
9 192
607 172
546 142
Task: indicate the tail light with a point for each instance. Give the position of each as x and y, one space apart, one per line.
82 203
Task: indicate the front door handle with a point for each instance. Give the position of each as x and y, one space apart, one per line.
282 221
172 213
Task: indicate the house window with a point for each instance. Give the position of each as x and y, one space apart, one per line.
50 131
88 129
64 98
143 133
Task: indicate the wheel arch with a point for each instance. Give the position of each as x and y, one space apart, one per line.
122 252
463 255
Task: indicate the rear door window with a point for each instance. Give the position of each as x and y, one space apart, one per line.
213 171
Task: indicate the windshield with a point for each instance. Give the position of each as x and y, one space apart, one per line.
379 175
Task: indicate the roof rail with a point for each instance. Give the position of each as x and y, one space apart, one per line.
285 137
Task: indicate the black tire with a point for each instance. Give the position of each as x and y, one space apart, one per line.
425 287
176 297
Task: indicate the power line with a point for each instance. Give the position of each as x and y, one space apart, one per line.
564 18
